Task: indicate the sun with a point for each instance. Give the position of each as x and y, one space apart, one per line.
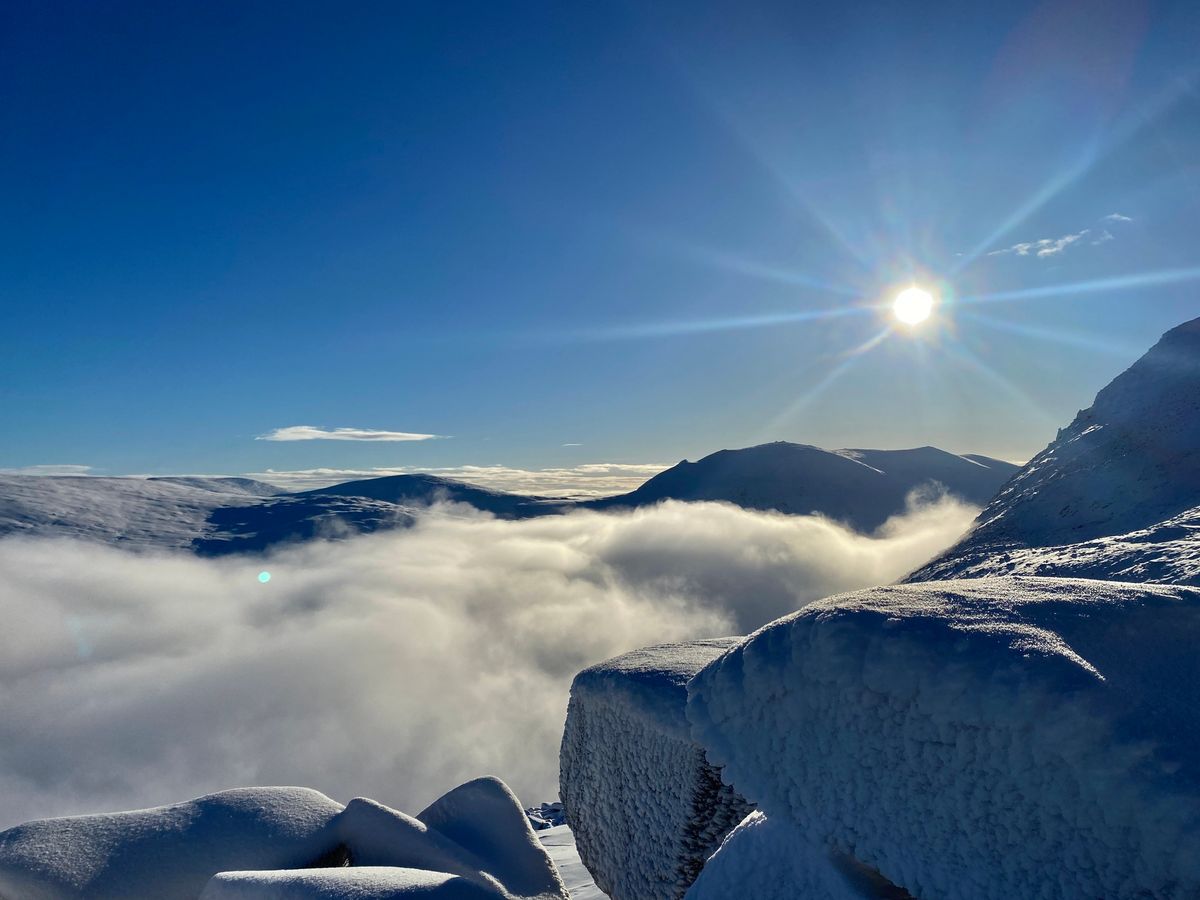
913 305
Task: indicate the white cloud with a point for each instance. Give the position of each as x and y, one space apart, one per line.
588 480
572 444
49 470
393 665
1047 247
1044 247
315 433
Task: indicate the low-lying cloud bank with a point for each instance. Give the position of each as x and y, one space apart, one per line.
393 665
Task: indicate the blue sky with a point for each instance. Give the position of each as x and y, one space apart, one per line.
650 230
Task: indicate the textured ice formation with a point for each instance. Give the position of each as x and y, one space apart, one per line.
644 805
987 738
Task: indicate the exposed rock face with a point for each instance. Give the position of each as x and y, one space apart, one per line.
646 807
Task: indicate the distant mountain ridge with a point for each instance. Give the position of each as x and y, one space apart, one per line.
218 516
1115 495
862 488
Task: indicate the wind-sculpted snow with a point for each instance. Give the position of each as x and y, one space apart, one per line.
474 842
644 805
986 738
386 664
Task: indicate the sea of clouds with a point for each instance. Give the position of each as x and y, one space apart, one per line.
393 665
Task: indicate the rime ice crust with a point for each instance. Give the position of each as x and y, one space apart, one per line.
645 806
989 738
285 844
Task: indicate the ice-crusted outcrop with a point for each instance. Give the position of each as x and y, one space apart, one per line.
1126 465
645 806
984 738
264 843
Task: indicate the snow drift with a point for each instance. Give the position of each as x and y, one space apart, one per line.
384 665
982 738
645 806
474 842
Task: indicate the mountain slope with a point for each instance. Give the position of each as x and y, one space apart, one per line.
424 490
860 487
138 512
1120 484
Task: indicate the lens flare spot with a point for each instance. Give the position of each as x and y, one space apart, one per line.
264 577
913 305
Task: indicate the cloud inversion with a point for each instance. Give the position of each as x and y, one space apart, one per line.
393 665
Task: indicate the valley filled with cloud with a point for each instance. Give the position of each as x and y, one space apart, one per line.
392 665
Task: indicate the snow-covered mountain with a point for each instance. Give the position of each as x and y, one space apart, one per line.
1115 495
860 487
138 512
217 516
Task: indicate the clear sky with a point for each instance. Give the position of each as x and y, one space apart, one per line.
648 229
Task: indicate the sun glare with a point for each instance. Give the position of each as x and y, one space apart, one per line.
913 305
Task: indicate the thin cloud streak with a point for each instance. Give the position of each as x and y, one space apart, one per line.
317 433
50 469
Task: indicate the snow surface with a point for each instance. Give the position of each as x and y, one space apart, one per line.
167 852
994 737
365 883
1165 553
645 807
560 845
770 859
1125 465
134 512
285 843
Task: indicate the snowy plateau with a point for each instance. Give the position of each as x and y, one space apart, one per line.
1016 719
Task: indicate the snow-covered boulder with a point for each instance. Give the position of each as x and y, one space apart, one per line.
986 738
645 806
168 852
473 842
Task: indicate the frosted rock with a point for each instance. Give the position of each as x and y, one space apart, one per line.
645 806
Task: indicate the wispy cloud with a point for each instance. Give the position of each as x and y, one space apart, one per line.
587 480
1048 247
316 433
1043 247
572 444
49 470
